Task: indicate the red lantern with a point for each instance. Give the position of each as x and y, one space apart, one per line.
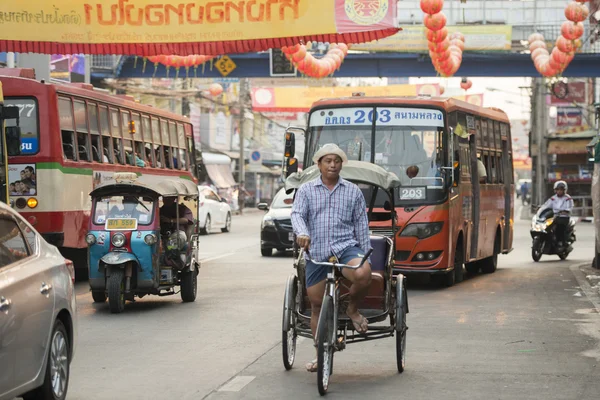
539 52
290 49
559 57
338 52
576 12
435 22
554 64
153 59
437 36
439 47
343 47
466 84
457 35
538 44
442 90
215 89
535 37
432 6
565 45
571 30
458 43
577 43
300 54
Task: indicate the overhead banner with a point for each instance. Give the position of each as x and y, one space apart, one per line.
150 27
413 39
300 99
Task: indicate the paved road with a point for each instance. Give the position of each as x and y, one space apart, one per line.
526 332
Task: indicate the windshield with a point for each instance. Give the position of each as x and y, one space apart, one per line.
28 121
282 200
407 142
129 207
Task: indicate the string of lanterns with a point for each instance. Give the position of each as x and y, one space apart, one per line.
550 64
314 67
193 60
445 50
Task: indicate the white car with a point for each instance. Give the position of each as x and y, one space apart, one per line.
38 314
213 211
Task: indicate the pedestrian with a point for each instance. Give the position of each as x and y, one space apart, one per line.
329 219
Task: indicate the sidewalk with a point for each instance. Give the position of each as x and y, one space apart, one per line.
592 278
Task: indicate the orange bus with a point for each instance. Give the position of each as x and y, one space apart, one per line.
454 159
73 136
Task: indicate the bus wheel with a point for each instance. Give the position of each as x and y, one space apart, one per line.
472 268
448 279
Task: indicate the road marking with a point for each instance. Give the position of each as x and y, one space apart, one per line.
215 257
236 384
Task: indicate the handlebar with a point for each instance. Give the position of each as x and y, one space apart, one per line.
337 265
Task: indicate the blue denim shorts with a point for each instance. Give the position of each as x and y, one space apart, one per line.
317 273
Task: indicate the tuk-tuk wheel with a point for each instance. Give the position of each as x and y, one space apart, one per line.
99 296
116 290
189 285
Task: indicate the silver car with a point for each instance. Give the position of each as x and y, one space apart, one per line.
38 320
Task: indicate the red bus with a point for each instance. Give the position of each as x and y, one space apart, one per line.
454 159
72 137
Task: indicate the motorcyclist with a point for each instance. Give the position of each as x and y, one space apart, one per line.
562 205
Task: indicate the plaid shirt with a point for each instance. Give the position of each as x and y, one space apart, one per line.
334 220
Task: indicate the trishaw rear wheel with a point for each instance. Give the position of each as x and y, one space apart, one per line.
325 344
116 290
289 335
189 286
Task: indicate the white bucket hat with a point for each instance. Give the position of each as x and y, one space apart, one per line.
330 148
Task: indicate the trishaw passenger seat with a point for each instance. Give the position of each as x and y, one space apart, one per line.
380 253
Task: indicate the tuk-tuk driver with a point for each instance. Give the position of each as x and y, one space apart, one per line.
168 214
329 217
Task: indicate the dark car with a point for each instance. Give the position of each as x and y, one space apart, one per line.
276 227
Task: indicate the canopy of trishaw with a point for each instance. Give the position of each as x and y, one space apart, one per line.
128 183
355 171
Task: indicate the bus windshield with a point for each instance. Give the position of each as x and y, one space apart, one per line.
408 142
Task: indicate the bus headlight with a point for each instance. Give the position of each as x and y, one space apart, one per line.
150 239
422 231
90 239
118 240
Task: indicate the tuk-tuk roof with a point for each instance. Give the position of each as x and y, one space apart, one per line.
355 171
127 183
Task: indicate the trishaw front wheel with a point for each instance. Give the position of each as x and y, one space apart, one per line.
116 290
325 345
289 335
401 328
189 286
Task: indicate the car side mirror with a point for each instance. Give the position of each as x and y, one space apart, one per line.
13 140
263 206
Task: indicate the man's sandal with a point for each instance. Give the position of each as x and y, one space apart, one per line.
361 325
312 366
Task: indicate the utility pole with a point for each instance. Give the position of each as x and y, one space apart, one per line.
243 100
539 127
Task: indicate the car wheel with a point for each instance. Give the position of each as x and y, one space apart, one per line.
227 224
207 226
56 379
266 251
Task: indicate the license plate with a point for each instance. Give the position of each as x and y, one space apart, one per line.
121 224
413 193
291 236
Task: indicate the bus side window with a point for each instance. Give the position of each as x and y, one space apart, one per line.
92 109
116 133
500 167
492 160
65 112
167 157
147 133
140 154
174 152
83 144
107 152
192 156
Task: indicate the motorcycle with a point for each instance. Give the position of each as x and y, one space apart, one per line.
543 232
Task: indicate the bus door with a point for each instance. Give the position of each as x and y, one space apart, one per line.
508 195
475 198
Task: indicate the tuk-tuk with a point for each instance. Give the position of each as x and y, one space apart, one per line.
129 253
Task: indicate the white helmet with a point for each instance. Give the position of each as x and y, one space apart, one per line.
562 184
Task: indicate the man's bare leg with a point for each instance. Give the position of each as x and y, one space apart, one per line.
315 295
361 280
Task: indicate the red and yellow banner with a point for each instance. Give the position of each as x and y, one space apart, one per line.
300 99
150 27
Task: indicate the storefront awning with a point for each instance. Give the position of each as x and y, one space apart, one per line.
568 146
220 175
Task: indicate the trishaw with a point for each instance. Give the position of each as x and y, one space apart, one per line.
386 297
129 254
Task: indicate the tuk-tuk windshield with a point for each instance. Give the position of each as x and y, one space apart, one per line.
130 207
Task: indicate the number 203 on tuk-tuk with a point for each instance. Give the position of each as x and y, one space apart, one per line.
130 254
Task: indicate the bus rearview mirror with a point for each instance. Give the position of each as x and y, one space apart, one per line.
13 140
